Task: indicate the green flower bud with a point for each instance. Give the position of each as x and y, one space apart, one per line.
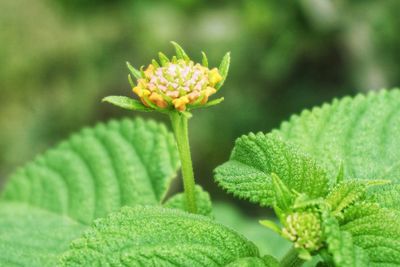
304 229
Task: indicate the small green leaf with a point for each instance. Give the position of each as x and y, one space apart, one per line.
204 59
203 201
224 69
256 156
283 197
271 225
136 73
180 53
153 236
126 103
163 58
155 63
345 194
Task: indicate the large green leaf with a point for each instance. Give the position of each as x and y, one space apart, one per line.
377 231
361 133
92 174
31 236
256 157
154 236
340 244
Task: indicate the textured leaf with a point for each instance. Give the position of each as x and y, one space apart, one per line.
267 261
93 173
266 240
32 236
340 245
255 157
377 231
361 133
204 205
126 103
345 194
99 170
153 236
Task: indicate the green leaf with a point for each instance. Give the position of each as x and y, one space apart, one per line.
204 205
136 73
180 53
345 194
340 244
204 59
265 239
126 103
361 133
267 261
99 170
163 59
95 172
256 156
224 69
153 236
377 231
31 236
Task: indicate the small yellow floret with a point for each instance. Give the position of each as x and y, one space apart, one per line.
214 76
180 103
149 71
158 100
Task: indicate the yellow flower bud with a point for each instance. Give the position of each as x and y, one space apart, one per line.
214 76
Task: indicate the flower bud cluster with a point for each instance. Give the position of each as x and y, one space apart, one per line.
177 84
304 229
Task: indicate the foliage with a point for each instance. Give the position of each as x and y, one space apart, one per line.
99 198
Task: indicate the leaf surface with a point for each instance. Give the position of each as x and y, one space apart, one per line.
203 200
95 172
361 133
377 231
31 236
154 236
256 157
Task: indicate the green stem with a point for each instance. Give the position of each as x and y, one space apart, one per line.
180 126
291 259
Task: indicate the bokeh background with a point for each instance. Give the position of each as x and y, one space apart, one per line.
60 57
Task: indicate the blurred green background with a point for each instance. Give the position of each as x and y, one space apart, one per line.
60 57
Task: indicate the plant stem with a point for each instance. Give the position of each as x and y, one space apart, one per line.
291 259
180 128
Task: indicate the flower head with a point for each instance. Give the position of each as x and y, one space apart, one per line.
304 229
178 83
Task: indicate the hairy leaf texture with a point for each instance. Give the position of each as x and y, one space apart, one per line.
377 231
256 157
267 261
30 236
154 236
204 205
95 172
361 133
340 244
